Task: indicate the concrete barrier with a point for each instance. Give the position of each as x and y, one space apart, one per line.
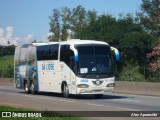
142 88
7 81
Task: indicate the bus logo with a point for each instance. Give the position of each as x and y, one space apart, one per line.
97 81
6 114
84 80
47 66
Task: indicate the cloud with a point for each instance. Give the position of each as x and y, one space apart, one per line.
9 32
23 40
44 38
6 36
3 39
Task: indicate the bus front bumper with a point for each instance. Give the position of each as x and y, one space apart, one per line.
95 90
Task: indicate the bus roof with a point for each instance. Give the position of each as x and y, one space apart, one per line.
78 41
70 42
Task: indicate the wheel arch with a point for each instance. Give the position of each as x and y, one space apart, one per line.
63 82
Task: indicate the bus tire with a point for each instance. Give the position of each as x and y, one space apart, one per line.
32 88
26 89
65 90
98 96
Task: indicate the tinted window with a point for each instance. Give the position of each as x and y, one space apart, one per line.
47 52
101 50
94 59
93 50
65 54
85 50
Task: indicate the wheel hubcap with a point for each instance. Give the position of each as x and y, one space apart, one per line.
26 87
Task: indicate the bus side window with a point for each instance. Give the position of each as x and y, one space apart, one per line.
66 55
47 52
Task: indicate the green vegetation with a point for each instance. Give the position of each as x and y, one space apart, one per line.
5 61
132 73
16 109
7 66
7 50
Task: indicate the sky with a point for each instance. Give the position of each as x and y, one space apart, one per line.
22 21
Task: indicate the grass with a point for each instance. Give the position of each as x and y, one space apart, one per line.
5 61
15 109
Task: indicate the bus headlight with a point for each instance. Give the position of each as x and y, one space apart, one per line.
82 86
110 85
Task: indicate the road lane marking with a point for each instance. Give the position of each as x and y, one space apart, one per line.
155 97
125 100
97 105
94 104
136 95
127 109
67 101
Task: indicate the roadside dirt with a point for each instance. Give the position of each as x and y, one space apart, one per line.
7 81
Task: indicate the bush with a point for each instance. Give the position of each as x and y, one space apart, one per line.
9 72
153 77
131 73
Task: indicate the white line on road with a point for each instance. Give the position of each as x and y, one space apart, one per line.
125 100
94 104
127 109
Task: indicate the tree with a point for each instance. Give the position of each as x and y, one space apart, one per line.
150 19
78 19
65 16
55 25
150 16
154 58
67 19
91 16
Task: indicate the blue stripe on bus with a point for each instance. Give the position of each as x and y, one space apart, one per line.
117 55
20 78
76 55
76 58
37 79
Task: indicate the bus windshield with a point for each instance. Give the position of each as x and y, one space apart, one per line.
94 59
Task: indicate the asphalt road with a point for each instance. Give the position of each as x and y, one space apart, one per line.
55 102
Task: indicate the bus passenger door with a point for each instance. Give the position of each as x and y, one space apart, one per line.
72 76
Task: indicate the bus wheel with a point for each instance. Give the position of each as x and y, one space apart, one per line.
98 96
26 87
65 91
32 88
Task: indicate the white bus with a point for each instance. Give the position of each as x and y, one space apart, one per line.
69 67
